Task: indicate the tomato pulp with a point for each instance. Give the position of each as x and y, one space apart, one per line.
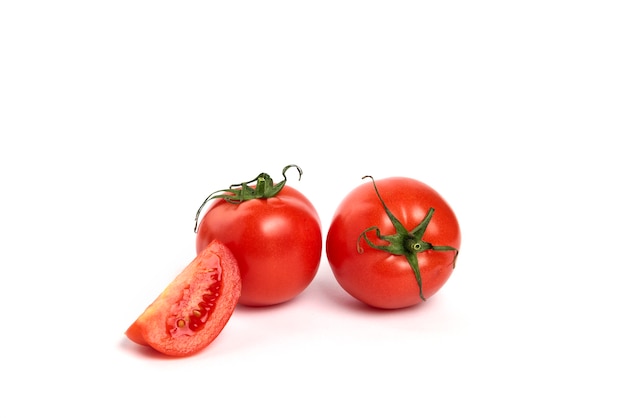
194 308
393 243
275 234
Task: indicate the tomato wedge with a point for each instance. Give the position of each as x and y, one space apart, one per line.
194 308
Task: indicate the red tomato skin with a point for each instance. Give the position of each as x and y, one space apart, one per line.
277 243
153 327
375 277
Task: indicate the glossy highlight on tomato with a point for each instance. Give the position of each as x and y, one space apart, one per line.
194 308
274 232
393 243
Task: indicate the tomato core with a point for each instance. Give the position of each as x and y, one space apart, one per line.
190 314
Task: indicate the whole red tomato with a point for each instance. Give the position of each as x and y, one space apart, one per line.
393 243
274 232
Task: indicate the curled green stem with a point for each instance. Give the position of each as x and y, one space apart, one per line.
247 190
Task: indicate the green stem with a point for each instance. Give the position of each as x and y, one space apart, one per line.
242 192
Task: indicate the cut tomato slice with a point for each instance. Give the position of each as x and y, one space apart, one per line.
194 308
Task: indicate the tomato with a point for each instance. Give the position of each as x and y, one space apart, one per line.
393 243
194 308
274 232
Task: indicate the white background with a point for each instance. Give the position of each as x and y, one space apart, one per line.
118 118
